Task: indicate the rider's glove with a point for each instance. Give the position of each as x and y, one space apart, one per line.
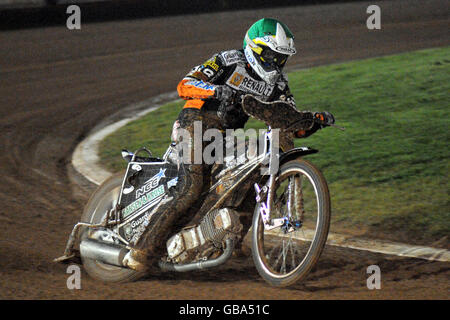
321 120
324 118
224 93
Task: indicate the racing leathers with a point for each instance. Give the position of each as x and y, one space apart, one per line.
224 71
210 93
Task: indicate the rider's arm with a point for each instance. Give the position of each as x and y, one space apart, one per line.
198 83
282 91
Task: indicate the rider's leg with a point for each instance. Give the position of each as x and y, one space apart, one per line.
160 227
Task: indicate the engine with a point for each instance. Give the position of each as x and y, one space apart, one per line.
205 240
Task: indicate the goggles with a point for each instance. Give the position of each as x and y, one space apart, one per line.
270 58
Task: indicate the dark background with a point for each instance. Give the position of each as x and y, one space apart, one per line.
54 13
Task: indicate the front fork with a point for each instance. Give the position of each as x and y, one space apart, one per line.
265 196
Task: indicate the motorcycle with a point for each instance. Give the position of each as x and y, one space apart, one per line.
289 225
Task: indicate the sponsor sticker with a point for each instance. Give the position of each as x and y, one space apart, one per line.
200 84
241 80
285 50
212 64
231 57
143 201
151 183
236 79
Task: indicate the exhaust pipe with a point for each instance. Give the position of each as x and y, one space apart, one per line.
166 266
108 253
114 254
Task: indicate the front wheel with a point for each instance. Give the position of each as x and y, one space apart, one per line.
301 208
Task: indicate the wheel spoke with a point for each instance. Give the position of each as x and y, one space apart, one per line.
271 251
283 265
278 259
292 254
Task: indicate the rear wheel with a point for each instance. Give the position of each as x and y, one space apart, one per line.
301 206
101 202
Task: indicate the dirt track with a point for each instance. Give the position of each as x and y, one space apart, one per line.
56 84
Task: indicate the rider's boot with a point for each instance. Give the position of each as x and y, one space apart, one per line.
136 259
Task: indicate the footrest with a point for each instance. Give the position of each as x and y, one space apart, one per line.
64 258
73 257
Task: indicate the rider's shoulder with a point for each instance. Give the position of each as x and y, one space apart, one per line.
231 57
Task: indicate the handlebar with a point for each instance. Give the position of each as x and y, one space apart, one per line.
337 127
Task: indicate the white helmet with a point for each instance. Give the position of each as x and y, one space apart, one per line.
267 46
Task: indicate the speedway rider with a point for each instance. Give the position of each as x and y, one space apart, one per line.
210 90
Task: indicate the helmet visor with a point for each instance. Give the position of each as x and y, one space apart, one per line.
272 60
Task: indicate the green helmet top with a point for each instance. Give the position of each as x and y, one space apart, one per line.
267 45
272 33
